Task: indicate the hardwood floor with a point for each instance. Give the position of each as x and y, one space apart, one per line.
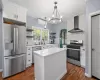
0 76
74 73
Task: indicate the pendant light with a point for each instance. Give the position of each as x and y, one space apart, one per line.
56 17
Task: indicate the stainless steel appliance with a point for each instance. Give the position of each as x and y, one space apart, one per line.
73 51
76 26
15 49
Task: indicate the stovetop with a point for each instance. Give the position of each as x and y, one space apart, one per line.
75 46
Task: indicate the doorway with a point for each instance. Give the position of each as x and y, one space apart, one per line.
95 45
88 72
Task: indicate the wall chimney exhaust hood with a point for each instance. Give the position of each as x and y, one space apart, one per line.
76 26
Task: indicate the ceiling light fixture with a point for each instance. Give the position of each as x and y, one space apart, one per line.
56 18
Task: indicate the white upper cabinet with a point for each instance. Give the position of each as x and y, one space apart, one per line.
9 11
14 11
22 13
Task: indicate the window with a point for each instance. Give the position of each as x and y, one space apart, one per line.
45 35
40 34
36 33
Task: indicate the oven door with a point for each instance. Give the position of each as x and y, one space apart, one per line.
73 54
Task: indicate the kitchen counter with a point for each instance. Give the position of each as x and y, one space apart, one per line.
50 64
42 45
32 48
47 52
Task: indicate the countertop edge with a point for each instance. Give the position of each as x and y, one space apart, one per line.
35 52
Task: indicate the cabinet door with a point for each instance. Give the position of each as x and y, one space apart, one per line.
83 57
95 46
10 10
22 12
29 57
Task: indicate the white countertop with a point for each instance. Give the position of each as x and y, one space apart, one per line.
50 51
40 45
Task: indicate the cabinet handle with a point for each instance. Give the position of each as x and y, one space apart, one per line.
29 60
27 42
28 49
17 16
14 16
28 54
93 49
80 54
83 49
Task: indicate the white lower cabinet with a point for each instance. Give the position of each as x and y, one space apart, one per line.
29 57
83 58
35 49
31 49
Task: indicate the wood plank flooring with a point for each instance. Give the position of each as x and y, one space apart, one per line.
74 73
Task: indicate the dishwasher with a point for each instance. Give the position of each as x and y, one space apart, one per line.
35 49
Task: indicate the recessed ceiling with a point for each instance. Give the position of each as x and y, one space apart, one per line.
42 8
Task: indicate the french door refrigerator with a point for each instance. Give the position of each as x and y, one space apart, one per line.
15 49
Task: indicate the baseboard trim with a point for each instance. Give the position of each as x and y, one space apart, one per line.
1 70
35 78
61 75
87 75
83 66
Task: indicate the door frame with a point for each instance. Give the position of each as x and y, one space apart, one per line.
90 43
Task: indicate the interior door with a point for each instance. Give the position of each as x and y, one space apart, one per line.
96 46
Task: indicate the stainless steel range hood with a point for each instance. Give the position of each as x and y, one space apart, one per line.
76 26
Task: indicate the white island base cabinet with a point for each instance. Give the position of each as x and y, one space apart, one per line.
51 66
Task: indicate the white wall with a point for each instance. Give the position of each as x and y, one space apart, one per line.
82 25
57 28
34 22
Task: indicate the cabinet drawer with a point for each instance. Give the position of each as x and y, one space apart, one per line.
29 54
29 59
29 49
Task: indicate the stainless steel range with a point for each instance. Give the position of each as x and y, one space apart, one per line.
73 51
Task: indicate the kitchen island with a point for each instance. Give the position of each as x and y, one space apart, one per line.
50 64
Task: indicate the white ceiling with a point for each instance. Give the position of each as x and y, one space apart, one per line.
42 8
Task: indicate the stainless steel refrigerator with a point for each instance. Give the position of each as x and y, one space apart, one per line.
15 49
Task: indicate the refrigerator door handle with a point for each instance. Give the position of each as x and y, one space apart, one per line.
13 57
15 38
